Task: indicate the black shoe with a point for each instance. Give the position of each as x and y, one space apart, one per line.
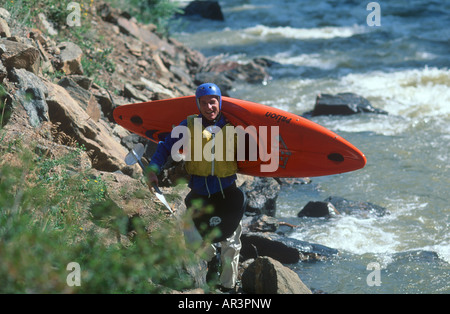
223 289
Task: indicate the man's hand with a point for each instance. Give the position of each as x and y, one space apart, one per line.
152 179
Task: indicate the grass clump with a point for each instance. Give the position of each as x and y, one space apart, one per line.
47 221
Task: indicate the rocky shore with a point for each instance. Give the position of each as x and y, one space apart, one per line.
51 103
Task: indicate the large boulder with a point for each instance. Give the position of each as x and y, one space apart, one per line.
206 9
79 90
349 207
106 152
342 104
268 276
225 73
140 32
318 209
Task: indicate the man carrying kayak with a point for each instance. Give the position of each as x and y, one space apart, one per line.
216 202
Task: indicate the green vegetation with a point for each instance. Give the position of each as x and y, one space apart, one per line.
48 210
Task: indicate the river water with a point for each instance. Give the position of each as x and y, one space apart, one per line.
402 67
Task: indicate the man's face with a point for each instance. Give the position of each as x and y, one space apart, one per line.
209 106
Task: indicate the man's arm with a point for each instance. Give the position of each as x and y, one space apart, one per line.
160 156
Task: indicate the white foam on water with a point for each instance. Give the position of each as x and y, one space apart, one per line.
410 93
411 97
246 7
264 32
408 227
311 60
379 124
260 33
352 234
442 249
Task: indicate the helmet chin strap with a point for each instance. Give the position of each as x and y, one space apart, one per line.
213 122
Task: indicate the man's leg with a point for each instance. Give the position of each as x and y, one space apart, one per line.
230 258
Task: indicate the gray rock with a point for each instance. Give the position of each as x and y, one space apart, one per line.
4 14
263 223
84 97
268 276
4 28
70 57
343 104
20 56
318 209
31 94
3 72
284 249
262 194
349 207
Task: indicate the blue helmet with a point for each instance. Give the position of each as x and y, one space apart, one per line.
208 89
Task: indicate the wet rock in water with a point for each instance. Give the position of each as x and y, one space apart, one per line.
318 209
206 9
262 194
224 83
266 275
342 104
284 249
349 207
250 72
263 223
419 256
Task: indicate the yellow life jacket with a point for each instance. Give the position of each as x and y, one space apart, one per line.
212 159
